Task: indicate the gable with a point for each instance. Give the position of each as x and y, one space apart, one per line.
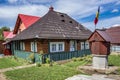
24 21
96 37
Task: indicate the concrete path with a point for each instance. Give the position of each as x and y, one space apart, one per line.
86 77
14 68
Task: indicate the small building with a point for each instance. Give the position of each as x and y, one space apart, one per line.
100 43
54 32
100 47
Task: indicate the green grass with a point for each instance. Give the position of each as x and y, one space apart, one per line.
56 72
114 60
8 62
74 64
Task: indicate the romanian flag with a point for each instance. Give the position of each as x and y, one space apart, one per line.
97 16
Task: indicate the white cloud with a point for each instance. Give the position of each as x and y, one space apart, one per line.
115 10
106 23
39 1
75 8
118 2
12 11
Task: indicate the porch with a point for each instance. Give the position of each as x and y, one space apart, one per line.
56 56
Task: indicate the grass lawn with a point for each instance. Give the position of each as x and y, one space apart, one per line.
114 60
7 62
55 72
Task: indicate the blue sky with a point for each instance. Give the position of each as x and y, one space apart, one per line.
83 11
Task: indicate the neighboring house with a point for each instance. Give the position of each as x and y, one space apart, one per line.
1 47
54 32
22 23
111 35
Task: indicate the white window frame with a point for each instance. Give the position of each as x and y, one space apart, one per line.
82 45
22 46
34 45
73 45
85 45
57 47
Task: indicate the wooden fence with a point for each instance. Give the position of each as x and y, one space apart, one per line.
57 56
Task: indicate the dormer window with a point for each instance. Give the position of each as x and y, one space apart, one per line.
70 22
62 15
63 20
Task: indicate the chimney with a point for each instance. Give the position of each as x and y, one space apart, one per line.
51 8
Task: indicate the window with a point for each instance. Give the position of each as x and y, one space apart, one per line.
56 46
22 46
53 47
34 46
60 47
73 45
84 45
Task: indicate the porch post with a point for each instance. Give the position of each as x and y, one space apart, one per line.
34 51
48 46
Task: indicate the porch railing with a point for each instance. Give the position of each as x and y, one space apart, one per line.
57 56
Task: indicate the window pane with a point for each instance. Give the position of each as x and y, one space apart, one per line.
60 47
53 47
82 45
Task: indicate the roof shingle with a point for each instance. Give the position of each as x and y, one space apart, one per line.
55 25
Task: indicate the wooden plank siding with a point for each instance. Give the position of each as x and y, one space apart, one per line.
44 45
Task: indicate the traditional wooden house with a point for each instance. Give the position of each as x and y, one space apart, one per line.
7 37
22 23
110 35
54 32
114 33
1 47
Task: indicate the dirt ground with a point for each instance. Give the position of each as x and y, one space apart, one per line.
2 77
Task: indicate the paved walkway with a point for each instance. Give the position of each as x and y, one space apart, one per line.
86 77
2 76
14 68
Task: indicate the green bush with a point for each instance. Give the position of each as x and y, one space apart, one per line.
32 58
74 59
38 64
79 59
51 64
48 60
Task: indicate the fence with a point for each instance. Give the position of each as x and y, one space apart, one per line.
53 56
25 55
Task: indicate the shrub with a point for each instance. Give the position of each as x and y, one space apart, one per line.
32 58
74 59
48 60
51 64
79 59
38 64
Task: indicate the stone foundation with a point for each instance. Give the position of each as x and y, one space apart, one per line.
100 61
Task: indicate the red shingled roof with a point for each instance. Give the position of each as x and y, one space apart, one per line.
28 20
5 33
8 34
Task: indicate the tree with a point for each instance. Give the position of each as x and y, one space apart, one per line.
4 28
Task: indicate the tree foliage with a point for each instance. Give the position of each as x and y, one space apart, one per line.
4 28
